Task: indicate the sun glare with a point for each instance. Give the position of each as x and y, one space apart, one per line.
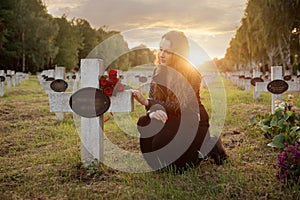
197 55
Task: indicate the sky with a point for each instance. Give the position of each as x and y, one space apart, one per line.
209 24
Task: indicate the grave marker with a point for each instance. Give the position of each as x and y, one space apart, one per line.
8 79
255 80
13 78
48 78
89 102
91 128
2 82
59 85
287 75
263 86
276 74
247 81
277 86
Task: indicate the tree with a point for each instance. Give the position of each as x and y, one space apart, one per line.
112 48
266 32
141 55
89 34
27 34
69 42
8 34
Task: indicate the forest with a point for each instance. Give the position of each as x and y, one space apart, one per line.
32 40
269 35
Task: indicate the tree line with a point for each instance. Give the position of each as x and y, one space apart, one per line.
269 35
32 40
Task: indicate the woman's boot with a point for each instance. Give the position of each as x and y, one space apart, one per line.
218 152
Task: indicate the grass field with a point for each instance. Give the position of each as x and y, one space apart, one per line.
40 157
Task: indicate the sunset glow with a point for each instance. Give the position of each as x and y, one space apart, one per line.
210 23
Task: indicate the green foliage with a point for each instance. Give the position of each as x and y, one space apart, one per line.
32 40
27 35
281 126
89 36
269 34
141 55
69 41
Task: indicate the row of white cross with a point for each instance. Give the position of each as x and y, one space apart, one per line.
10 79
239 79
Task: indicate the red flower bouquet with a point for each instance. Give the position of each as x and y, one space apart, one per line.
110 84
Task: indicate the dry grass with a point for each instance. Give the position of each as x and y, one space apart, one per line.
40 157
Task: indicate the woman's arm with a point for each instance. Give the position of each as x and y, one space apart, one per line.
170 106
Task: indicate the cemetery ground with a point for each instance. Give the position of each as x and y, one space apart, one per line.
40 157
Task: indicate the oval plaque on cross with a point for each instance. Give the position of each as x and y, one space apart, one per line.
143 79
255 80
59 85
287 77
89 102
277 86
2 78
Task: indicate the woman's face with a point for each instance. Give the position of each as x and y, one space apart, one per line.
165 54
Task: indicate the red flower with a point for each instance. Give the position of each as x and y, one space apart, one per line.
103 81
114 80
108 84
108 91
112 74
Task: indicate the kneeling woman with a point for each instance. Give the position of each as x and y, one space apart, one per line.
176 124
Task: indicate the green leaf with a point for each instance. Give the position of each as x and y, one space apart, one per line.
265 128
281 122
278 141
290 113
295 129
274 121
278 113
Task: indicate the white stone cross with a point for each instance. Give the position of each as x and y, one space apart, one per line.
13 78
262 87
46 84
2 83
59 73
275 74
8 79
91 128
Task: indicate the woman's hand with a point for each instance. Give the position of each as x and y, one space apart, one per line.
159 115
139 97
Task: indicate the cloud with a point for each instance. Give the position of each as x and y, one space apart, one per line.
209 21
60 7
210 15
